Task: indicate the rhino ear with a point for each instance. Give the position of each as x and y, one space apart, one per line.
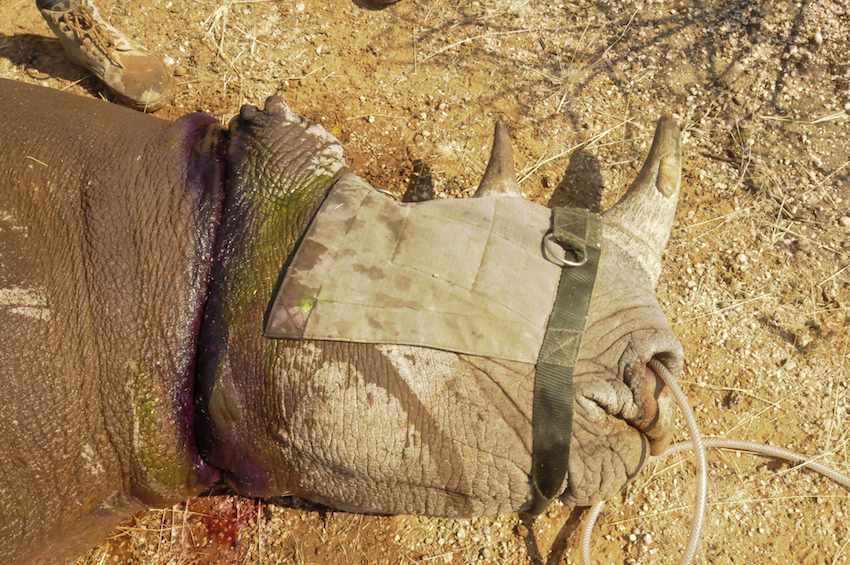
500 177
276 105
641 221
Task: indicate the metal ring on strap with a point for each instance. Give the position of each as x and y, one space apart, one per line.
563 261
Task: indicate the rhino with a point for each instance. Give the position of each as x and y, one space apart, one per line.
141 267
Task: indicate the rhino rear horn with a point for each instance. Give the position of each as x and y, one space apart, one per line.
641 221
500 177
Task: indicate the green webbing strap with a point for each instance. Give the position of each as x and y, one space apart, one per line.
579 234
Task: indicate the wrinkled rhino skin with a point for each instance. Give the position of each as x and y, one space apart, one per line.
138 258
103 269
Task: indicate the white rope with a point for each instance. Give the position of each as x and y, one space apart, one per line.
699 445
702 474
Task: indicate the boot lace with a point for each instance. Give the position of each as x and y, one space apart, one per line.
81 21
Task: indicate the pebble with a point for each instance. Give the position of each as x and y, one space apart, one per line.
844 221
741 258
485 553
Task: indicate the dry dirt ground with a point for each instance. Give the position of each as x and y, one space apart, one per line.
756 280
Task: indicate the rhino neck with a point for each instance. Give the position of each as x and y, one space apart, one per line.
280 167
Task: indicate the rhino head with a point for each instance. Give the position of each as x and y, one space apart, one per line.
402 429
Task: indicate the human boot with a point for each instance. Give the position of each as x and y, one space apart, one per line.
138 78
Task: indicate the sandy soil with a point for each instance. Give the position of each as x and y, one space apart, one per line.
755 282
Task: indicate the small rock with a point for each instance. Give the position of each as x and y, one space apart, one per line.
818 38
485 553
804 246
732 399
741 258
647 539
521 530
844 221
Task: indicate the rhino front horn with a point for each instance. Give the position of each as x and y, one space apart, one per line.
500 176
641 221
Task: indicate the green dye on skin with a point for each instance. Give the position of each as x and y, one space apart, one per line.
278 207
272 200
280 212
160 449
